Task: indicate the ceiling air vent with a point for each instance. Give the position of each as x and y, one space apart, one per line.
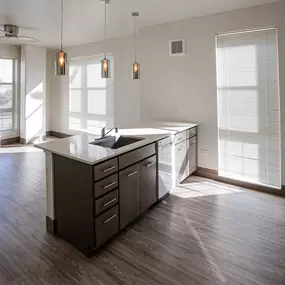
177 47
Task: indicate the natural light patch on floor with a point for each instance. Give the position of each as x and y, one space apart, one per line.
204 188
25 148
18 149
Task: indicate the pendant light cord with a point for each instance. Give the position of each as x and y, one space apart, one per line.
61 26
135 38
105 28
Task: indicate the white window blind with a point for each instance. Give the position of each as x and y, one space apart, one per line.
249 107
91 98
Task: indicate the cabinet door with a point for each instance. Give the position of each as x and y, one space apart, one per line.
129 195
180 161
148 183
186 162
192 155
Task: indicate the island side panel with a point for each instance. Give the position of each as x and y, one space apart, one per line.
74 208
50 212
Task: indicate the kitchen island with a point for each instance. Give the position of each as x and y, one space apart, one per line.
95 188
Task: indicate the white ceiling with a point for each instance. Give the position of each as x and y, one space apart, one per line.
84 19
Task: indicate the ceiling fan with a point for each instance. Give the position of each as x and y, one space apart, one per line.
11 32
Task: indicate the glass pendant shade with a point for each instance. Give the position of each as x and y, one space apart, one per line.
61 56
105 62
105 68
61 63
136 65
136 70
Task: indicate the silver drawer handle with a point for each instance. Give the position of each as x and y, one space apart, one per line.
110 202
133 173
109 169
150 164
110 185
110 219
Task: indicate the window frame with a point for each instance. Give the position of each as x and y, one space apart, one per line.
83 115
14 108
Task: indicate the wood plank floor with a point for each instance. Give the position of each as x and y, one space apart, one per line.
205 233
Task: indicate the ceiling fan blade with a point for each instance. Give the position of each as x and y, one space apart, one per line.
24 27
28 28
18 38
6 32
10 39
27 39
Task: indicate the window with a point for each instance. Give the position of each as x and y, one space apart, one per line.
7 95
91 98
249 107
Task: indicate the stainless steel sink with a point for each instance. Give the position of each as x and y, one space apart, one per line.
116 142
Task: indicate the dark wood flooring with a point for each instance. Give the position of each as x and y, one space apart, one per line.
205 233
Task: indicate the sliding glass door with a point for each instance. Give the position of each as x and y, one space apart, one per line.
249 107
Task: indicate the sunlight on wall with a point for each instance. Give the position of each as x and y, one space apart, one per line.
34 111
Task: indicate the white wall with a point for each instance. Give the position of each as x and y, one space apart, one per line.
180 89
126 90
49 71
184 88
10 51
33 92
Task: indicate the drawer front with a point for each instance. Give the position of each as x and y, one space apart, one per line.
106 185
192 141
106 226
105 169
136 155
191 133
180 137
165 142
106 202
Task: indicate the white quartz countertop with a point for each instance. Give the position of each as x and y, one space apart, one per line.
78 147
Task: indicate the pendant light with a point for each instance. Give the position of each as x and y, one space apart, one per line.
136 65
105 62
61 56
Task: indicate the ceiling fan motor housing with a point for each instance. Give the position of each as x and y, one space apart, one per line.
11 30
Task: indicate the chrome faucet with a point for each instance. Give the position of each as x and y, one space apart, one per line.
104 134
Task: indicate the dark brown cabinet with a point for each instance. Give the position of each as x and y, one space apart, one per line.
148 183
130 207
104 203
93 202
107 225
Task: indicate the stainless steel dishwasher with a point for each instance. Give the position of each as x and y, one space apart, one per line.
165 171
